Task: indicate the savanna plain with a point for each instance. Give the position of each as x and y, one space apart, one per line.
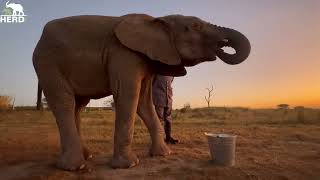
271 144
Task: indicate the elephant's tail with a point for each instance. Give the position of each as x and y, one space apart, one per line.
39 97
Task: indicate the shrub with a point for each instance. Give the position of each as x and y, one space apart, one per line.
186 107
5 102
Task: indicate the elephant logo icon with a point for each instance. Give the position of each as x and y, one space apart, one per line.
12 13
16 9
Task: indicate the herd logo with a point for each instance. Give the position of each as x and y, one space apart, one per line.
12 13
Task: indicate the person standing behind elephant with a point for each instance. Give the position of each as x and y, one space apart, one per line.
162 99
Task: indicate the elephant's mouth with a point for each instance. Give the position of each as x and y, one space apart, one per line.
188 63
222 45
168 70
192 62
213 58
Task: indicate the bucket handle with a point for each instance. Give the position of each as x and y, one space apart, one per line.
208 134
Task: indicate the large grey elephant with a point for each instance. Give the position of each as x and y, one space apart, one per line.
89 57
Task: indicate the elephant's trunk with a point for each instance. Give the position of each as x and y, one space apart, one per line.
7 3
238 42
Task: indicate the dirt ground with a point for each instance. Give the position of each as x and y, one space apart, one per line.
271 145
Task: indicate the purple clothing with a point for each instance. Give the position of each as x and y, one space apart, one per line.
164 114
162 91
162 99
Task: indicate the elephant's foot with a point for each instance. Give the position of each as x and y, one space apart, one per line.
71 161
160 149
86 154
125 161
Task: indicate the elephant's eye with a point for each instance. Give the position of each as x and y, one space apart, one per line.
196 26
186 29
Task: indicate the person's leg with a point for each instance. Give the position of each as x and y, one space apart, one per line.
167 118
167 122
160 112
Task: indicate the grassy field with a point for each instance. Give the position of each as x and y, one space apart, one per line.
271 144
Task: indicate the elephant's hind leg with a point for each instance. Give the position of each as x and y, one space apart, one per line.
62 103
148 114
81 102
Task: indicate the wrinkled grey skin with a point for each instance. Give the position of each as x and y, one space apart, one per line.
89 57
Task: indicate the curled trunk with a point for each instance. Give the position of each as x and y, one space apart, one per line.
238 42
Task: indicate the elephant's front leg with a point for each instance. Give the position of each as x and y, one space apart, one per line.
126 100
148 114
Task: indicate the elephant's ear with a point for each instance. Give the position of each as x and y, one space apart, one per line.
149 36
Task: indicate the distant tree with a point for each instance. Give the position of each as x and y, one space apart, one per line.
283 106
5 102
186 107
208 99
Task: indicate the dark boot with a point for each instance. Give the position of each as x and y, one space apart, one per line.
171 140
167 130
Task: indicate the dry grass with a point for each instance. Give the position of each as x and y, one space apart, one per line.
271 144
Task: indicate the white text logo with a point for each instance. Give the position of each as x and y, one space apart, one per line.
12 13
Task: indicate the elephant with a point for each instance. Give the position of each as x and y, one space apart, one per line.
85 57
17 9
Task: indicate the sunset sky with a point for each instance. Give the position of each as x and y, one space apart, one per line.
284 66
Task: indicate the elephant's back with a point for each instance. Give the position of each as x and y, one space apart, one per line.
84 32
83 22
75 46
75 38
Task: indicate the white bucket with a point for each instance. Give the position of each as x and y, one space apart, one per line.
222 148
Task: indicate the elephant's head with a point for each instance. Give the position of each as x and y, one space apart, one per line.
177 41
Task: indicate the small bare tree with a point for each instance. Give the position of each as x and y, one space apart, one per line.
208 99
13 101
